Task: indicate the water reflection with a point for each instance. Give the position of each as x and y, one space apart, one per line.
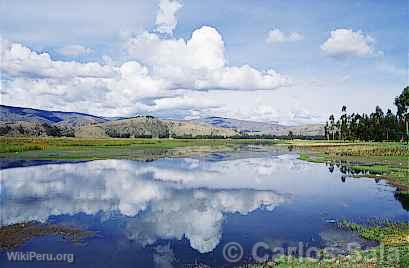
192 198
160 204
348 171
403 199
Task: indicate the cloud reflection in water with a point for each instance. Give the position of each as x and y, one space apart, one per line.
160 200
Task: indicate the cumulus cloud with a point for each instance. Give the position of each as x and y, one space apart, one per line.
273 108
277 36
199 63
346 42
166 18
19 60
39 81
157 68
74 50
205 50
242 78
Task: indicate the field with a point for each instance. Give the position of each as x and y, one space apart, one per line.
93 149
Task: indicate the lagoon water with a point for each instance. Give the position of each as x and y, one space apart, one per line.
173 212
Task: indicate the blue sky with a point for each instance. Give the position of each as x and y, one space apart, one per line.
323 53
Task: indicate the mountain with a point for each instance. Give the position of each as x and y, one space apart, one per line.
262 128
12 114
147 126
242 126
306 130
17 121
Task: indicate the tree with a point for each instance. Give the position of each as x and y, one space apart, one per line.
290 135
391 126
326 132
332 125
343 127
402 104
377 126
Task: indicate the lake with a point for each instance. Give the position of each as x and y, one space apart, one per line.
177 212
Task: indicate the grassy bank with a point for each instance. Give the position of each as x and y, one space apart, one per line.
15 235
393 250
89 149
388 160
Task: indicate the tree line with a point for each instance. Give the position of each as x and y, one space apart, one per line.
376 126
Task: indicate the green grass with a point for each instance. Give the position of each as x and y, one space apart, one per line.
382 257
313 159
89 149
387 233
393 250
12 148
8 145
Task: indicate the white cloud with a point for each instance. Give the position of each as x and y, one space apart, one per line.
158 74
242 78
205 50
175 78
346 42
295 107
38 81
166 18
199 63
19 60
277 36
74 50
268 113
182 102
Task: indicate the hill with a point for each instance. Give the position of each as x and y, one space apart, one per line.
146 126
262 128
18 121
12 114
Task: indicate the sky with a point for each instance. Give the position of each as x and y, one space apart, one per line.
292 62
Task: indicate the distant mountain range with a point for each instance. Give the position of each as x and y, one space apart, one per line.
14 114
18 121
260 128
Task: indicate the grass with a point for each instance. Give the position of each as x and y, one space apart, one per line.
388 160
90 149
9 146
315 159
387 233
15 235
393 250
